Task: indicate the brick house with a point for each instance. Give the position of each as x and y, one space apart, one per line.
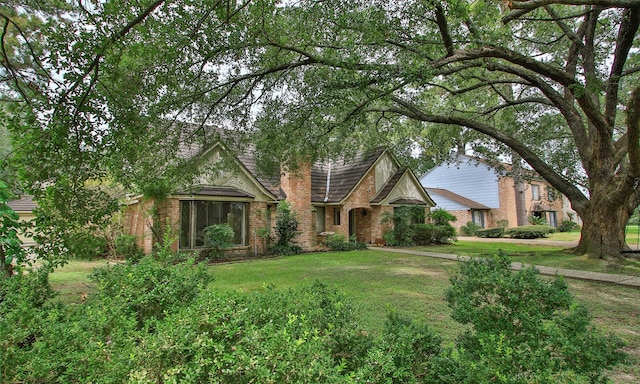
345 197
477 192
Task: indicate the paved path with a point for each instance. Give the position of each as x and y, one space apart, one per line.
629 281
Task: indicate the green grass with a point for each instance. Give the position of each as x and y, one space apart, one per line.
382 281
548 255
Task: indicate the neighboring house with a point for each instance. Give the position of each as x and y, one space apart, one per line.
342 197
24 207
474 191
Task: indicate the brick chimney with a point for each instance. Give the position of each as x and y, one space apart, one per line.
297 186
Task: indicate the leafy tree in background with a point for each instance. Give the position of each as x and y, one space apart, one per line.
99 90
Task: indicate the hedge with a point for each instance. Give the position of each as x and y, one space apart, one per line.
530 231
490 232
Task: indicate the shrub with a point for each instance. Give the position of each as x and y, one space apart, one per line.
490 232
149 289
469 229
441 217
425 234
127 247
284 250
286 227
337 243
530 231
217 237
523 329
403 354
568 226
534 220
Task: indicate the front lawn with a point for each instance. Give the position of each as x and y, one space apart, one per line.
533 254
380 282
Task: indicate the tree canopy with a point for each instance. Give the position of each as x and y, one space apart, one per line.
98 88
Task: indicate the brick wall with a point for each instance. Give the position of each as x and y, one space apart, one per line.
297 186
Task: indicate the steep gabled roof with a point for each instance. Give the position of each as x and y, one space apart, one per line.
387 192
456 198
332 182
384 192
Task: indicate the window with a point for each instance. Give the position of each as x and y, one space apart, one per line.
319 219
478 218
535 192
553 219
196 215
336 216
551 194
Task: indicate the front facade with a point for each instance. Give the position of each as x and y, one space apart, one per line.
347 198
474 191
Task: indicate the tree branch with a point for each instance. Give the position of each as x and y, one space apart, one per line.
626 34
559 182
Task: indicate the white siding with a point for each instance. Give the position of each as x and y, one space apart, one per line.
468 178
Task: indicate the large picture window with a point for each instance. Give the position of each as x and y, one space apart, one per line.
196 215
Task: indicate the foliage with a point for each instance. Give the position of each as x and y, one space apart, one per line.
469 229
523 329
530 231
336 243
159 322
441 217
403 355
425 234
490 232
284 250
535 220
217 237
11 250
126 246
150 289
568 226
286 227
403 218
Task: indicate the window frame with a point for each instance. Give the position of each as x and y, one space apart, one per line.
535 192
188 209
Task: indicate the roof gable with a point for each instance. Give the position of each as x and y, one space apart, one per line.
403 188
238 174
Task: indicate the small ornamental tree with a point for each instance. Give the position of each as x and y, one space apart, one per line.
218 237
286 229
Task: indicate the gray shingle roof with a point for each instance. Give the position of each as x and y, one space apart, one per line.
457 198
343 176
24 204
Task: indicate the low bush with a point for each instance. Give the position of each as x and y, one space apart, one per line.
568 226
490 232
337 243
469 229
127 248
425 234
154 322
523 329
216 238
284 249
530 231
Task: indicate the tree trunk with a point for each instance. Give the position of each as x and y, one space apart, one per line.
603 231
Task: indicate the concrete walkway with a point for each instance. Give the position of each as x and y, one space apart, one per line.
624 280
